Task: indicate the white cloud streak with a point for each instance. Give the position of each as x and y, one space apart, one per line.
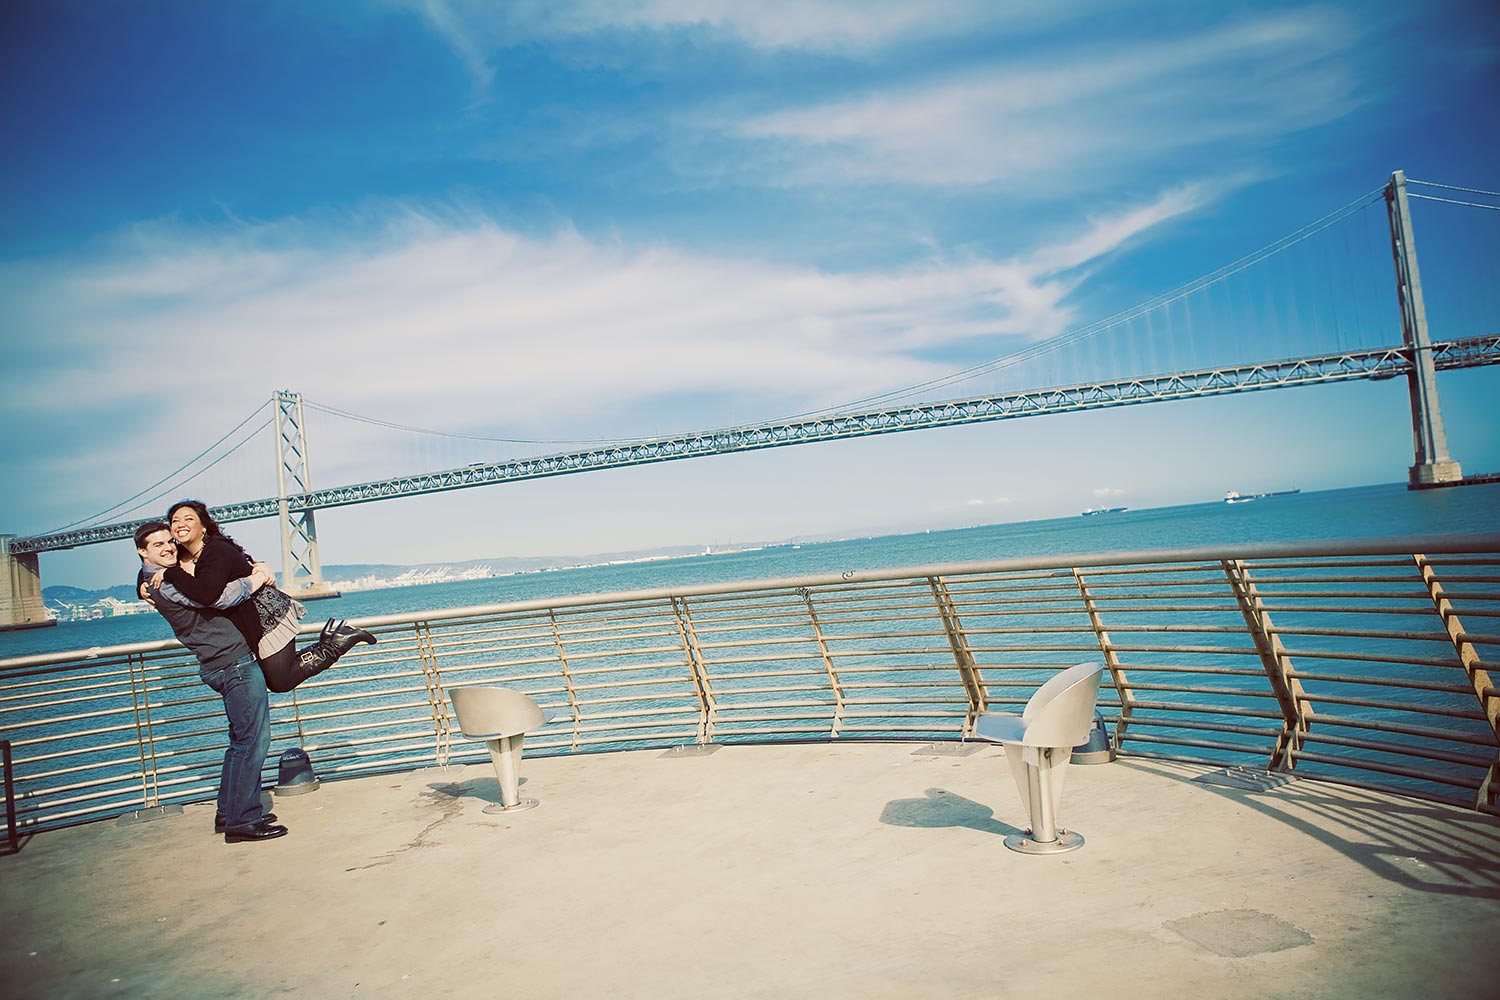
1081 114
1037 110
449 312
450 21
858 26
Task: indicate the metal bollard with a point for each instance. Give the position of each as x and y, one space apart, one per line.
294 775
1097 749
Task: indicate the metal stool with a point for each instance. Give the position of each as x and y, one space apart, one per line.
1039 743
501 718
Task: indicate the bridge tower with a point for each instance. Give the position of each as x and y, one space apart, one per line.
20 589
1433 465
301 572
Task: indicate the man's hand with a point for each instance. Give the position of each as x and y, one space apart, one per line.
261 575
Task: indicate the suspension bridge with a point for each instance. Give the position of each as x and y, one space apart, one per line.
1417 358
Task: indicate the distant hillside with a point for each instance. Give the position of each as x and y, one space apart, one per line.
75 595
504 564
354 571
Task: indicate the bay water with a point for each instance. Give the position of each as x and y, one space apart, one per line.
1386 510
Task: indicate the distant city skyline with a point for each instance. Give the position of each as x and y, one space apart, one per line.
592 220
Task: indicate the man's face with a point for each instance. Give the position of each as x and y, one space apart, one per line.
160 550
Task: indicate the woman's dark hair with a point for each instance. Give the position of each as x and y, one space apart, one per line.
211 527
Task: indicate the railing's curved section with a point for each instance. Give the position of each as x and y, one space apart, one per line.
1362 662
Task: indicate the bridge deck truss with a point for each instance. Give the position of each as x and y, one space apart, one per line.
1373 363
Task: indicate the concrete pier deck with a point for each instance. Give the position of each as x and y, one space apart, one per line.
822 870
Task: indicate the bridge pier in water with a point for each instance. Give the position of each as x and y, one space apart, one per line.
1433 465
20 589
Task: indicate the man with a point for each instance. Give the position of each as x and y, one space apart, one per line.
226 665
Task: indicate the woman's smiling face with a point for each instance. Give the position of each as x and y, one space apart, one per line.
187 528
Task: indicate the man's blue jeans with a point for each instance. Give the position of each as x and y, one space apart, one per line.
243 689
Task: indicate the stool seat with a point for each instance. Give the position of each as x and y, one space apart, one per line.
486 713
502 718
1039 744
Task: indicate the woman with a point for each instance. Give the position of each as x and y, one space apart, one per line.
207 559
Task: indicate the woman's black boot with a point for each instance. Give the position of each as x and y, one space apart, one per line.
343 637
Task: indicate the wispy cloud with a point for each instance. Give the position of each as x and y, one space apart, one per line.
859 26
454 22
1077 112
403 310
1046 111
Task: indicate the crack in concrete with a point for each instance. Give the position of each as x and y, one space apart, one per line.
447 799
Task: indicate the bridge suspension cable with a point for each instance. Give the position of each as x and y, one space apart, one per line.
1454 187
377 422
1454 201
188 464
1032 351
1119 318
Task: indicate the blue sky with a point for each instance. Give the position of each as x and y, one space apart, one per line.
566 222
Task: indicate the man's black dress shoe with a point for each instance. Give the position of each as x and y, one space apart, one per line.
219 826
264 830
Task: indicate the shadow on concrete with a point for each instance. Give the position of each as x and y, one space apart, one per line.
1421 845
485 789
941 808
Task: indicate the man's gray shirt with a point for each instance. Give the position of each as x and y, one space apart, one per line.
211 636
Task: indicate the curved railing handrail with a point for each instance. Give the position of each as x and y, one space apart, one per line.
1444 544
1439 544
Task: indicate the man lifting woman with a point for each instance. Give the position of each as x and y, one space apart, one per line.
209 561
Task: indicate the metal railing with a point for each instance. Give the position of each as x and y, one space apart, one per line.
1357 662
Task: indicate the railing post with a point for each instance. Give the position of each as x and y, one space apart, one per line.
567 675
436 698
1107 647
833 674
144 736
707 707
1483 684
963 656
1296 713
10 798
297 718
